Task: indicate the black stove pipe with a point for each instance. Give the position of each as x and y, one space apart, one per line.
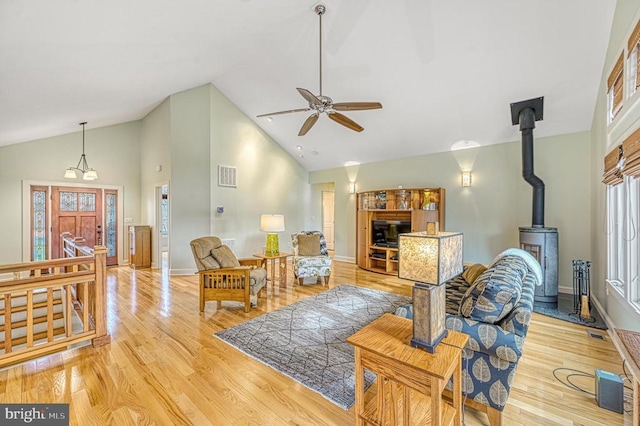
526 113
527 124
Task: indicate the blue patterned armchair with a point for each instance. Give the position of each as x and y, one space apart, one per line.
310 256
495 310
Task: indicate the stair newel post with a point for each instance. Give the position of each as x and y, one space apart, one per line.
100 289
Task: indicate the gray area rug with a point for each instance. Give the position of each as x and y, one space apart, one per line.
307 339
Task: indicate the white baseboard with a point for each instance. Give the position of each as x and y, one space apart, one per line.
182 271
607 320
566 290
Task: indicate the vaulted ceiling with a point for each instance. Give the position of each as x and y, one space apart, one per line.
444 71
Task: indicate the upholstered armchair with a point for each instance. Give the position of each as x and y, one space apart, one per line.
225 277
310 256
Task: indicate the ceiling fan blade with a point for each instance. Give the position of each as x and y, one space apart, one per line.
283 112
310 97
345 121
308 124
356 106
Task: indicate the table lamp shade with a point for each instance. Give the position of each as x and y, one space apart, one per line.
272 223
429 259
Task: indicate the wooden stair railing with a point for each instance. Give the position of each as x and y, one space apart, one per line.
81 282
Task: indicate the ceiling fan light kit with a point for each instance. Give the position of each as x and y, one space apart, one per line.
324 104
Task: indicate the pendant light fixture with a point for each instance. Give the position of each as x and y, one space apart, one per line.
82 167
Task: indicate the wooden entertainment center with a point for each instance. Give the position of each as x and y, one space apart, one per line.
387 212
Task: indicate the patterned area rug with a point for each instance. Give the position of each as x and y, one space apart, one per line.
307 340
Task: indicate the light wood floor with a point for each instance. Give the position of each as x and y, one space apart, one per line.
165 367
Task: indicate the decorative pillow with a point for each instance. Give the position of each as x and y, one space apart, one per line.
473 272
309 245
495 292
225 257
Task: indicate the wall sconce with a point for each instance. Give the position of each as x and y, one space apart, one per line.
466 178
352 187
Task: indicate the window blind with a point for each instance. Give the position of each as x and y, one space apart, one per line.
612 174
633 47
615 85
631 148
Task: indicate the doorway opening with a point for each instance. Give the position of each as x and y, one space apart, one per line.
162 226
328 221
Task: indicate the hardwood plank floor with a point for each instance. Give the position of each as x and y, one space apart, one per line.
164 366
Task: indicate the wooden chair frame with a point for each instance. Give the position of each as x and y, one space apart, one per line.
227 284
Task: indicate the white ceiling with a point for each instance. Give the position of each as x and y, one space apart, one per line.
444 70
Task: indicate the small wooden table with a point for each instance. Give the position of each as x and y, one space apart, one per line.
410 380
628 344
282 261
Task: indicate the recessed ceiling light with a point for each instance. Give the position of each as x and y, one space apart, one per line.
299 147
464 145
314 152
351 163
269 118
300 156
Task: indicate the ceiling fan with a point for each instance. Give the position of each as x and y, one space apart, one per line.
319 104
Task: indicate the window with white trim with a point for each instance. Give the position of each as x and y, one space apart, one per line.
622 176
623 241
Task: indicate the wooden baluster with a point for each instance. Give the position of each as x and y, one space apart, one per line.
29 318
83 305
100 296
50 314
8 322
68 310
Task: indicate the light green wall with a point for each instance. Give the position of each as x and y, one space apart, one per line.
155 139
498 202
269 180
190 134
625 17
114 151
190 197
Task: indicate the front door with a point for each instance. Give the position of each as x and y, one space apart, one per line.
78 211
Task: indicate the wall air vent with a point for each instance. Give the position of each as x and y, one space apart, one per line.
229 242
227 176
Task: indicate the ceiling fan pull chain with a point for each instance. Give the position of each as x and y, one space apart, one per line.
320 10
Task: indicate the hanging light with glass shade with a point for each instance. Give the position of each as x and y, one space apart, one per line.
82 167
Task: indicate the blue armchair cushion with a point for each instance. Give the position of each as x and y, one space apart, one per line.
495 292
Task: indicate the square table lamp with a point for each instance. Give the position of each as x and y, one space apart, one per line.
429 260
272 223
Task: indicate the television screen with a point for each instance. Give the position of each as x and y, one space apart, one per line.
385 232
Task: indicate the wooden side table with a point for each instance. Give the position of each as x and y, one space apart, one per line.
282 262
410 380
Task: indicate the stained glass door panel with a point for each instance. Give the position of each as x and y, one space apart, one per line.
111 226
78 211
39 226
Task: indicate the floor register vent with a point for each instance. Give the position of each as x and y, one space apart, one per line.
595 335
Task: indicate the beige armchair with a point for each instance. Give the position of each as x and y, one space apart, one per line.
225 277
